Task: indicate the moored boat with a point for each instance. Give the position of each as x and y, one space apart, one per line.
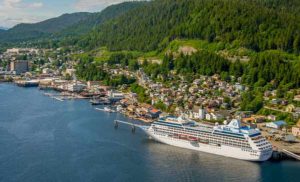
230 140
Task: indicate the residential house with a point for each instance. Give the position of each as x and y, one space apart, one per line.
276 124
296 131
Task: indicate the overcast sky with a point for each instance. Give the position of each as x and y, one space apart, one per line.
13 12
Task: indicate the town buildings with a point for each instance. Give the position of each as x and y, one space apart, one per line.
296 131
19 66
276 124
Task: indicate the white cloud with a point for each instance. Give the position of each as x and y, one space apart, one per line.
13 12
36 5
94 5
10 4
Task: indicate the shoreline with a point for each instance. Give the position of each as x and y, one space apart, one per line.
277 155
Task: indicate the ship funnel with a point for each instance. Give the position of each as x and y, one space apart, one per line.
235 124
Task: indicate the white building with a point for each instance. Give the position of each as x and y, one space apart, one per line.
70 72
276 124
213 116
202 113
46 71
74 87
21 66
296 131
198 113
115 95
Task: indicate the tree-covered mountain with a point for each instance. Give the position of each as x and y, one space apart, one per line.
96 19
255 24
22 32
67 25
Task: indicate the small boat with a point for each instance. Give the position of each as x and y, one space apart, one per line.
95 102
106 109
57 98
119 108
100 101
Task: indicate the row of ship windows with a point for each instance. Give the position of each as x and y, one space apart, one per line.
248 150
263 144
266 147
196 133
213 140
208 136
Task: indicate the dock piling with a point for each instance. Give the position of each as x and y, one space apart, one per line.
116 124
133 129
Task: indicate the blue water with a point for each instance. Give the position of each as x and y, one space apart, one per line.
42 140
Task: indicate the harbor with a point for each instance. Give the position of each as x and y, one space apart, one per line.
108 104
72 135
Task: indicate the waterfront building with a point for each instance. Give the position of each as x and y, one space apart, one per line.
276 125
91 84
114 95
296 131
76 87
19 66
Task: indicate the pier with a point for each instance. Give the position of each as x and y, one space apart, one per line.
127 123
133 126
291 154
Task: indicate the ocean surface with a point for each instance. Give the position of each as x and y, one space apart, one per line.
42 139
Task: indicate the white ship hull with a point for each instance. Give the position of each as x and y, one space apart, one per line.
223 150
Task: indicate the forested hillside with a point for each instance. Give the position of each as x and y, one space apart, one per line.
254 24
95 19
269 30
23 31
67 25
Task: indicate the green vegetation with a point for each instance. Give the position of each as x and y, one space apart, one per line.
160 105
64 28
143 97
280 116
23 32
251 101
88 70
275 25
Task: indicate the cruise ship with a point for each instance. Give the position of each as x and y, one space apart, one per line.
229 140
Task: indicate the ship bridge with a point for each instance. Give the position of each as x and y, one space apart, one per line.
236 127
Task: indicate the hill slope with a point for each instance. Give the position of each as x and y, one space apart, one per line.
274 25
95 19
66 25
24 32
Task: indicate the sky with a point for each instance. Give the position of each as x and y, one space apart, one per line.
13 12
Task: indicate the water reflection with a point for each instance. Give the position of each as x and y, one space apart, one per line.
186 165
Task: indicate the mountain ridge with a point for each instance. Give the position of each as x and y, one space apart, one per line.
66 25
275 25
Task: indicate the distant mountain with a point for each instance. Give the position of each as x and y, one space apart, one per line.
23 32
3 28
67 25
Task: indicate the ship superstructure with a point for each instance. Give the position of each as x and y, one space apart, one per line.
230 140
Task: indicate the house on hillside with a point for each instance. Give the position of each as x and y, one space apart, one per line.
276 124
